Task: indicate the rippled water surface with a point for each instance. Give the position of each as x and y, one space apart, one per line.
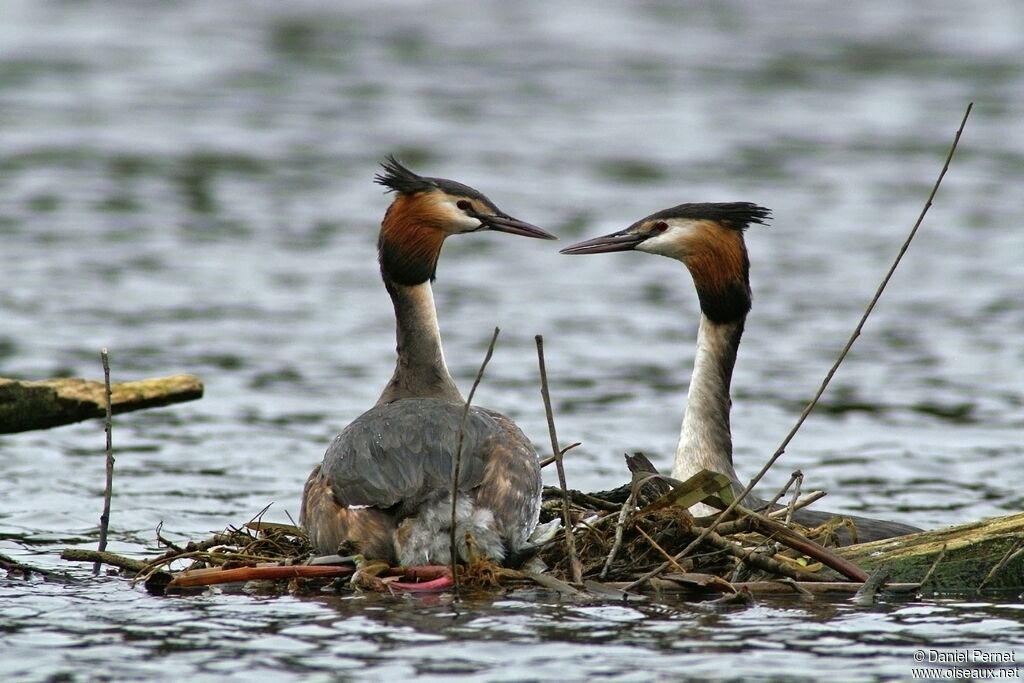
189 184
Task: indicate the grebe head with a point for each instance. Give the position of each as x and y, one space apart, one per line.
707 238
684 232
424 212
448 206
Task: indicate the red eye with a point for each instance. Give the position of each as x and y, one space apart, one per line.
464 205
659 227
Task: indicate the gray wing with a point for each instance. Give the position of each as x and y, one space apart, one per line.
511 488
402 452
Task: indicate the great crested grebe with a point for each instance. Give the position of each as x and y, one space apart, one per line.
384 486
708 239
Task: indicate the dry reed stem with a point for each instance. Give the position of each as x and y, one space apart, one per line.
810 498
778 496
791 508
797 479
570 541
661 551
832 371
550 459
457 463
108 489
620 528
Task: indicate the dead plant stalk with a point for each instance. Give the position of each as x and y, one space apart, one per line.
620 528
457 463
108 488
570 541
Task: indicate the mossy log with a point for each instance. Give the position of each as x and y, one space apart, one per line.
113 559
982 555
53 402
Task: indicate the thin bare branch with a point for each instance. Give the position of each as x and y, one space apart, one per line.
810 498
457 463
778 496
620 528
570 541
108 488
551 458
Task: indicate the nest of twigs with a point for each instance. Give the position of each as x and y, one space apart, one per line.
250 545
619 536
644 539
619 543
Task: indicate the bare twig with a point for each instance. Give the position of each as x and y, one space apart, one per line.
166 542
109 487
810 498
257 519
661 551
581 498
832 371
791 508
550 459
570 541
226 539
457 463
620 528
782 491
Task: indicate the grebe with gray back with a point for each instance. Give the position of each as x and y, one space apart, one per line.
383 488
708 240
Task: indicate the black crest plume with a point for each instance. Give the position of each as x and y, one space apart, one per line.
736 215
397 178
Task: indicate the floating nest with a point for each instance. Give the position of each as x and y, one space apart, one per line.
637 535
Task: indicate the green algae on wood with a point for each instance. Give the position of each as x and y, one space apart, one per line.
973 551
50 403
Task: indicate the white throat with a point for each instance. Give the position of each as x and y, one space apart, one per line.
705 440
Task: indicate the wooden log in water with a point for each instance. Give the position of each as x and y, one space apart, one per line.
971 562
113 559
54 402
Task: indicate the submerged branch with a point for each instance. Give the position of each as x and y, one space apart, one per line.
113 559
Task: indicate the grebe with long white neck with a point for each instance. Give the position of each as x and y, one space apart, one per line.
708 240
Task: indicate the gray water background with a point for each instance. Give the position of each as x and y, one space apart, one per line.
189 184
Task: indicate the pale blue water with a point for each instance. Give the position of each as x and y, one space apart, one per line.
189 184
